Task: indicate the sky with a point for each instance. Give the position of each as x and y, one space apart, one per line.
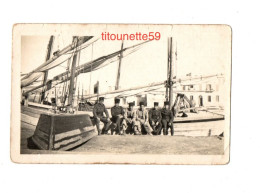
200 50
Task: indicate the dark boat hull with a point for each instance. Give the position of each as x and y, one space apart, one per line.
63 132
57 131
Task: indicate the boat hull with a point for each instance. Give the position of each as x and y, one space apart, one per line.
57 132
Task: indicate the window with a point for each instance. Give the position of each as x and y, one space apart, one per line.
217 98
96 88
191 97
52 92
209 98
191 86
183 88
208 87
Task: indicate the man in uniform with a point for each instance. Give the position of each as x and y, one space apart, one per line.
142 118
117 113
130 118
155 118
167 119
98 112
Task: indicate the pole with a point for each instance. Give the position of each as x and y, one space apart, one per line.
167 77
82 99
170 74
119 66
90 76
72 77
48 56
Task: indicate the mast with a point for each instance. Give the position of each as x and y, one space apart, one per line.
82 98
72 77
48 56
167 77
170 80
90 76
78 94
119 66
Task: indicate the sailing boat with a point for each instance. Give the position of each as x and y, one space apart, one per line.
60 127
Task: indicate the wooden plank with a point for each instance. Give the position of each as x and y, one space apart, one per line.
80 141
73 133
28 119
65 123
27 126
32 110
35 115
41 106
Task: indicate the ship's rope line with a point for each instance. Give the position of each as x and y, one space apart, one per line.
64 89
144 90
82 47
76 78
96 66
177 82
66 83
74 51
49 61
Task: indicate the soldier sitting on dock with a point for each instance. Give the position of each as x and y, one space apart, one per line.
155 118
142 118
117 113
130 118
167 119
98 112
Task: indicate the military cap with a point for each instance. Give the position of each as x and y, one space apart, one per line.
131 104
141 103
155 103
117 100
101 98
166 103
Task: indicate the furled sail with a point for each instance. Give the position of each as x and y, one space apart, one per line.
57 59
91 66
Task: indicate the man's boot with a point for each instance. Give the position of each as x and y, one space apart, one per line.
172 132
164 131
106 128
98 129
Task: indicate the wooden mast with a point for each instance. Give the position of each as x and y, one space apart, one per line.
170 80
119 66
167 77
48 56
72 77
82 97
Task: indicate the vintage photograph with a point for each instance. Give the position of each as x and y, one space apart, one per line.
135 94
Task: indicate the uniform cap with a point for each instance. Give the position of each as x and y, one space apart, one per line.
141 103
166 103
101 98
117 100
131 104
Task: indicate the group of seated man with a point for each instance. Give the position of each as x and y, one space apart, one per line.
130 121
